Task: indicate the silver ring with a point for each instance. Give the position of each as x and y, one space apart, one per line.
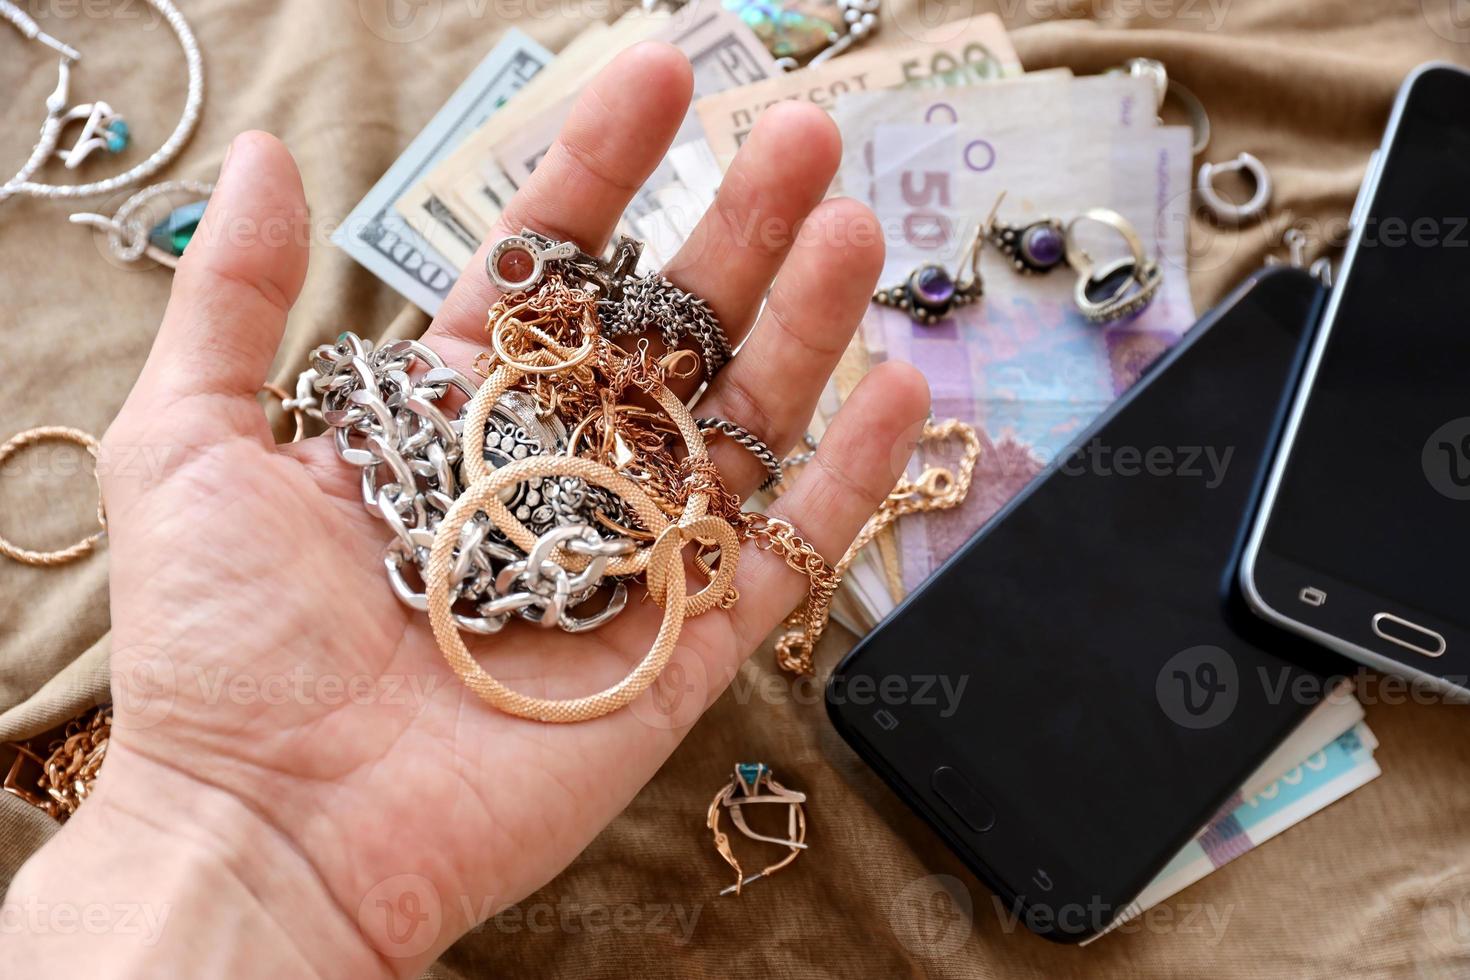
1077 256
1132 295
1135 278
537 254
1226 211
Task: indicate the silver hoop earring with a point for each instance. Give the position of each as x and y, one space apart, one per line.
1227 211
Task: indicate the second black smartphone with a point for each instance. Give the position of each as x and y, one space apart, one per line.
1112 689
1363 540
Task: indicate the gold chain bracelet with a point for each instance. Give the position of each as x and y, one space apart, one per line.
936 488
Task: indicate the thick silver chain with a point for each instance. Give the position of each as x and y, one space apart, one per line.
387 411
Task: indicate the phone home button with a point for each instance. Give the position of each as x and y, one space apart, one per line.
963 799
1410 636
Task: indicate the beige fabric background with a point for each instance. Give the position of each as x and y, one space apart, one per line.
1304 85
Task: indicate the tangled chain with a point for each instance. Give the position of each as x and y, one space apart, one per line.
573 467
388 418
936 488
69 768
651 303
805 624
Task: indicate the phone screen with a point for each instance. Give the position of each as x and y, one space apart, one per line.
1072 696
1376 490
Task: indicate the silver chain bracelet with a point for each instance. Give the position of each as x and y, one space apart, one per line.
386 409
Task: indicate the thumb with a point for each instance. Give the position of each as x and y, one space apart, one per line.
237 280
234 286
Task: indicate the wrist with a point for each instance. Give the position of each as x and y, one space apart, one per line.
160 872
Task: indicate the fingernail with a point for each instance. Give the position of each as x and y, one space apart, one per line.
225 163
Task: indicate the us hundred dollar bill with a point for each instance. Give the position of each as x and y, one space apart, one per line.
375 235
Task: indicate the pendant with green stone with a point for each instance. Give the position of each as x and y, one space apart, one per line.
174 232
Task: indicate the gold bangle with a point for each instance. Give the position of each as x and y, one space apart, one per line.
54 433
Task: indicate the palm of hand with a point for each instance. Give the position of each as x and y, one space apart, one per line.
257 649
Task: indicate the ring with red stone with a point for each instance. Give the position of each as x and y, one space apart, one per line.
517 263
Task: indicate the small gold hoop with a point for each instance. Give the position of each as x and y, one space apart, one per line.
572 357
54 433
298 415
707 530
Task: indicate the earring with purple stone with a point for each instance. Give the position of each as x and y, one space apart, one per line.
1033 249
931 293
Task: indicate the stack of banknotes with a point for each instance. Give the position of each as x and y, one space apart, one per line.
935 129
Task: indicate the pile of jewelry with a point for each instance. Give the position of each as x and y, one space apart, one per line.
571 472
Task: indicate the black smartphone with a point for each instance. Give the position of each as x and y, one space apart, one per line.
1112 689
1363 541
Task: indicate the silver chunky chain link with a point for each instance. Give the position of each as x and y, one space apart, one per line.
386 407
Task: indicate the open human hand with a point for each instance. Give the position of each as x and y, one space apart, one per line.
293 766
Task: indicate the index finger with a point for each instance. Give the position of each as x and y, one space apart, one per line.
617 133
